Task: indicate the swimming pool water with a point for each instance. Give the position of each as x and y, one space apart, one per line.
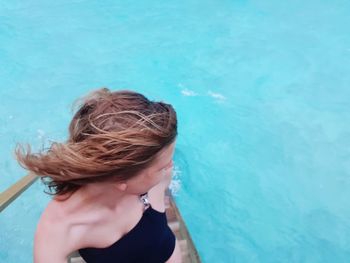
262 95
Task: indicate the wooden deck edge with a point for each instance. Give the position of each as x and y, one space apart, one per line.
184 233
11 193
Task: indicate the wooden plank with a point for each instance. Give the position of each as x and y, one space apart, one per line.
174 226
184 234
10 194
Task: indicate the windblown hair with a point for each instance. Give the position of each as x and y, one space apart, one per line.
112 136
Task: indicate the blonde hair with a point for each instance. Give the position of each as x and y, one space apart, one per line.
112 136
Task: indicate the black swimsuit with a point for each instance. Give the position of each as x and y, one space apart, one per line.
150 241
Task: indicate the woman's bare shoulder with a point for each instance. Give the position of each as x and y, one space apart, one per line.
50 237
81 226
62 230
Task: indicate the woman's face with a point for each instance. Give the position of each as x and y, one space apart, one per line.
160 170
163 165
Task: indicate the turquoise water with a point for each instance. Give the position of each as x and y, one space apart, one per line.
261 90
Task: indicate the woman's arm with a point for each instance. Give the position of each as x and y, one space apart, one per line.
55 239
49 245
157 193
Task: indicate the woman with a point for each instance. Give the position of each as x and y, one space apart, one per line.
108 181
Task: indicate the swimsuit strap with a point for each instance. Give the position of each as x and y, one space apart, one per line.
145 201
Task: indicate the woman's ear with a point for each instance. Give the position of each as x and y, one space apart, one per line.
122 186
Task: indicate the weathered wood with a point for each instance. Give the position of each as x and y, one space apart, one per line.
188 249
174 226
11 193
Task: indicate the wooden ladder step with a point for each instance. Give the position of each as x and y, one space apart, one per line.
167 202
174 226
170 215
185 254
183 245
186 258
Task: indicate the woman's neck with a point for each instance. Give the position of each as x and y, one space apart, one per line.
105 194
